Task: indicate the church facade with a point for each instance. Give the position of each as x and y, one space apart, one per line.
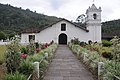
64 30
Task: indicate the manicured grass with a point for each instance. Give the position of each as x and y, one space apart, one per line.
2 53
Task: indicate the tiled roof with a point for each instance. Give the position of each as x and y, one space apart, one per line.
31 30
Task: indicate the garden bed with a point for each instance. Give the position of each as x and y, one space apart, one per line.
90 64
21 60
102 61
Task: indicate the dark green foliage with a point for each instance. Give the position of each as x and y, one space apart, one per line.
106 43
35 57
2 35
89 42
24 50
10 36
13 56
75 41
37 45
83 43
13 19
43 65
26 67
116 49
15 76
107 55
106 52
31 49
111 28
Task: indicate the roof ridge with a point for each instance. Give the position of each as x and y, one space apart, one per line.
36 30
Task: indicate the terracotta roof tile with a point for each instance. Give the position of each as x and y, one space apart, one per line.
31 30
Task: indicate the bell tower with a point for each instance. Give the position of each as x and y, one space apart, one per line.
93 23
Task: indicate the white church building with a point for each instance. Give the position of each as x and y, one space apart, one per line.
64 30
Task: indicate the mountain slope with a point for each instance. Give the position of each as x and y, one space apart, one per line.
111 28
13 19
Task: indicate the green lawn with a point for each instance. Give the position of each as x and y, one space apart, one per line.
2 53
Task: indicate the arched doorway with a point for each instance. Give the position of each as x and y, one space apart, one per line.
63 39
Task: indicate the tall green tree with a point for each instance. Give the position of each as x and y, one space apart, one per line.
2 35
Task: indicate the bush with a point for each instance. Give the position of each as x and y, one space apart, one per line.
24 56
83 43
112 68
106 43
24 50
13 56
75 41
31 48
36 45
89 42
15 76
43 65
44 46
107 52
35 57
26 67
2 35
107 55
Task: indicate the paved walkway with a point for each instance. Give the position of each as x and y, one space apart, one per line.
65 66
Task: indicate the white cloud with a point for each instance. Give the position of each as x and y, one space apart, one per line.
69 9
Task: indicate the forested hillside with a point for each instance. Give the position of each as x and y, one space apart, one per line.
13 19
111 28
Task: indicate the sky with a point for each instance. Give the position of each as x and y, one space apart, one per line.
69 9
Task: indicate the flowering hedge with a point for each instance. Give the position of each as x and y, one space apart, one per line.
111 67
92 57
25 57
44 57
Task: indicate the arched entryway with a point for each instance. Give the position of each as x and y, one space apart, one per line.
62 39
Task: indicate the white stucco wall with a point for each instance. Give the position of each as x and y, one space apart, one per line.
94 25
95 33
53 32
25 37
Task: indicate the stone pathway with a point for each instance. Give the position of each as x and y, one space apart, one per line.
65 66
